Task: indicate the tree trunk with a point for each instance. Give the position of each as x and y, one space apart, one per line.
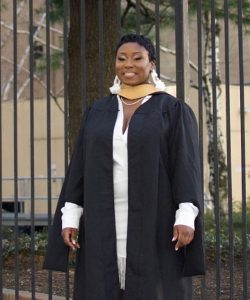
92 48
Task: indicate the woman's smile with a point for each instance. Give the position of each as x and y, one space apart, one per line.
129 74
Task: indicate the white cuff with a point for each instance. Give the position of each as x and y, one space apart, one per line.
71 214
186 214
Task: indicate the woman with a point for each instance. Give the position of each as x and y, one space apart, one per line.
133 189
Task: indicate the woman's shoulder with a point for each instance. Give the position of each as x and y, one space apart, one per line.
175 108
170 102
103 103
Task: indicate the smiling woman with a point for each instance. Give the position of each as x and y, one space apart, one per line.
133 190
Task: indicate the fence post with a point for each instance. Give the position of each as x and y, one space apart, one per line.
182 49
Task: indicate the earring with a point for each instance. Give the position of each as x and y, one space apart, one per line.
116 87
159 84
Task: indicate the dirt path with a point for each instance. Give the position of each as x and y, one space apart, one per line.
59 279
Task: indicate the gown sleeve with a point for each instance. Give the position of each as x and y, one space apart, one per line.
186 177
56 257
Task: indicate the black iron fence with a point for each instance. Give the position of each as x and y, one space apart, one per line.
202 54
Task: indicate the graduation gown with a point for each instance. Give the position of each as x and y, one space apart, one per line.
163 171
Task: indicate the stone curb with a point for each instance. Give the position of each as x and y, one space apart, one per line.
23 295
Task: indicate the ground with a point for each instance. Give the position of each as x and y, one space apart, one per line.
59 279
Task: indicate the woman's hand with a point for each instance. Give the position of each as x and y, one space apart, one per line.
70 238
183 235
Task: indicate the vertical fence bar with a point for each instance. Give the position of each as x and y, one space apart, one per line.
138 16
15 143
182 49
243 157
100 46
200 113
157 35
48 128
179 49
215 152
83 51
1 194
65 79
229 160
32 167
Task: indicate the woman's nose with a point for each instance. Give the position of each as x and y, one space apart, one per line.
128 63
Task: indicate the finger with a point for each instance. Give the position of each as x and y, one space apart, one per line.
73 235
66 238
74 238
178 245
74 246
175 234
183 239
69 240
181 242
75 243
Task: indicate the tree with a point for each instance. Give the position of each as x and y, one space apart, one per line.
92 48
90 19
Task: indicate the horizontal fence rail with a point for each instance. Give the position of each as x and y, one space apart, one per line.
27 214
56 58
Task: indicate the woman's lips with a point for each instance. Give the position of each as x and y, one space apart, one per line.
129 74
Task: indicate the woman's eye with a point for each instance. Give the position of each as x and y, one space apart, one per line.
138 58
121 58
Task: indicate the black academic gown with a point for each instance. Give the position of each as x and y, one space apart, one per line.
163 171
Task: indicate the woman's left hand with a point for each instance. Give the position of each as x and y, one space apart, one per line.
183 235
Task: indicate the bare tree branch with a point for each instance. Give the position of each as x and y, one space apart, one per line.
21 63
19 10
53 29
172 52
40 81
25 32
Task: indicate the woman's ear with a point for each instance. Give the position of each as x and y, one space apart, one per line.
153 65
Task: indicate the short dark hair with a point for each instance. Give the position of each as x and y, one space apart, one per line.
141 40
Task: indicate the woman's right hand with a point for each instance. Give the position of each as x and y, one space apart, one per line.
70 238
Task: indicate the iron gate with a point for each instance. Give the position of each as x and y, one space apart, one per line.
202 54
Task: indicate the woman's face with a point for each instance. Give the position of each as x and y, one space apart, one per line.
132 64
